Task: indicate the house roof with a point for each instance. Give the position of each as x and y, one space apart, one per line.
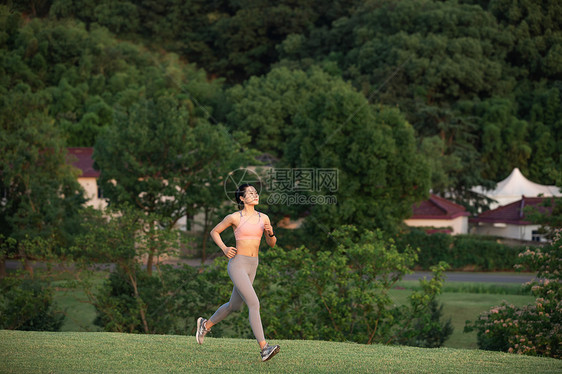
437 208
81 158
513 213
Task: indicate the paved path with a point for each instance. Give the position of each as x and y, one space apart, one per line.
477 277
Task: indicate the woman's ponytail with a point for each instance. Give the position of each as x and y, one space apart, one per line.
240 191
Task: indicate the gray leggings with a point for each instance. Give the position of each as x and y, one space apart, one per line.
242 271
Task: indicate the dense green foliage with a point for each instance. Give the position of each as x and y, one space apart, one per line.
27 304
480 82
552 222
534 329
399 97
315 120
344 294
79 74
461 251
123 237
232 39
40 194
467 72
340 296
63 84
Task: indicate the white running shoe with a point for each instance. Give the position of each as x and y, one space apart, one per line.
269 351
201 330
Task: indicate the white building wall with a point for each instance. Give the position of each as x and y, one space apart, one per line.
459 224
90 187
519 232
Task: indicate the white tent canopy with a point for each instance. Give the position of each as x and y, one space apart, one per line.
513 187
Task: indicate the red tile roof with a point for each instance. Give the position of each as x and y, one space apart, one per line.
81 158
437 208
513 213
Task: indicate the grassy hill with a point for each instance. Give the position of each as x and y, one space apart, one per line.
72 352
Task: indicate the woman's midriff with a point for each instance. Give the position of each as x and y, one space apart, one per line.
248 247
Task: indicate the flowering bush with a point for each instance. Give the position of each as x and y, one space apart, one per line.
534 329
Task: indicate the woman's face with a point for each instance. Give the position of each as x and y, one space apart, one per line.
251 196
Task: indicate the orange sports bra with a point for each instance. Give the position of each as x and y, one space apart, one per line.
246 230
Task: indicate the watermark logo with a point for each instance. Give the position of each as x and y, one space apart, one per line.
287 186
301 186
238 177
280 198
302 179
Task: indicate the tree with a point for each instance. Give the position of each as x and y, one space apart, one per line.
41 197
442 166
161 159
27 304
82 74
265 107
549 213
540 105
538 34
122 237
430 59
317 121
36 8
231 39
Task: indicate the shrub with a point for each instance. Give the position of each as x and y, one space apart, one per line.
119 309
428 330
494 327
192 292
433 248
340 295
484 254
343 295
169 299
420 323
27 304
132 298
460 251
534 329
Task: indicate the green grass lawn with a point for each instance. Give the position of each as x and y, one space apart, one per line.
472 287
459 305
96 352
79 313
73 303
462 306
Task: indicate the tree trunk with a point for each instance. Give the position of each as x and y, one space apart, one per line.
27 266
140 304
2 268
150 261
204 246
205 234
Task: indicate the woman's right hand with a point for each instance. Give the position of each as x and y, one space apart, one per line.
230 252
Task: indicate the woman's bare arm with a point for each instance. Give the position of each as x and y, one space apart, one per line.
271 240
215 234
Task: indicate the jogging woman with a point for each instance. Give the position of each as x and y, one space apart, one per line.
249 226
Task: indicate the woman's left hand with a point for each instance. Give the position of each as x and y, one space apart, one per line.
268 229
